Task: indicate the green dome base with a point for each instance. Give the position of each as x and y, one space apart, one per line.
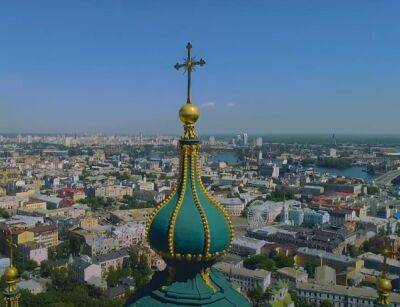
187 290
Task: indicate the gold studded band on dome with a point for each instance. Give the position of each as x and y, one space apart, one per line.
206 227
158 208
162 204
216 204
179 203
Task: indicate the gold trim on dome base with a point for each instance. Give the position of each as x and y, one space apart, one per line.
190 257
205 275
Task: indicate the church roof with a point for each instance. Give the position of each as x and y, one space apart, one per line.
188 292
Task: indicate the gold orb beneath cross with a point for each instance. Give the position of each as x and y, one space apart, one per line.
189 114
11 274
384 285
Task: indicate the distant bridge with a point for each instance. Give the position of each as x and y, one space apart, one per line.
387 178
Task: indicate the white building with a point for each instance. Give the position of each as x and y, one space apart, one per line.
145 185
12 202
234 206
114 191
341 295
32 285
332 153
258 141
82 270
246 279
211 140
128 234
292 275
245 139
245 246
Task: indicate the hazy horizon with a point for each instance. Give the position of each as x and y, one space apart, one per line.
304 67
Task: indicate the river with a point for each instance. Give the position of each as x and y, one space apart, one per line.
353 172
226 156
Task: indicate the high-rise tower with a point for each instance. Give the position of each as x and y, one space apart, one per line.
190 230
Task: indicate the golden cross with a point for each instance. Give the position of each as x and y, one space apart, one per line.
189 66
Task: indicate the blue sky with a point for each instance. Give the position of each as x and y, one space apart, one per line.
272 66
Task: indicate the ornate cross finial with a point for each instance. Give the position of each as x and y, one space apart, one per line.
189 66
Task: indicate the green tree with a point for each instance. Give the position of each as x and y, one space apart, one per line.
61 251
281 195
372 190
45 269
260 262
75 244
4 213
112 278
60 279
131 203
326 303
256 296
22 264
141 272
353 251
310 268
114 275
373 245
300 302
25 276
281 260
133 261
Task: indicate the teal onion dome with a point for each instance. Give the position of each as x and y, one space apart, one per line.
190 225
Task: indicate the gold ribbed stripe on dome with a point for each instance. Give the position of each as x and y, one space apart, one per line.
179 203
216 204
158 208
206 227
162 204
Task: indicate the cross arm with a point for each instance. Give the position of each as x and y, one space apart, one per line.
200 62
178 66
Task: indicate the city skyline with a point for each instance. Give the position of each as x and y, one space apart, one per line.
272 68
